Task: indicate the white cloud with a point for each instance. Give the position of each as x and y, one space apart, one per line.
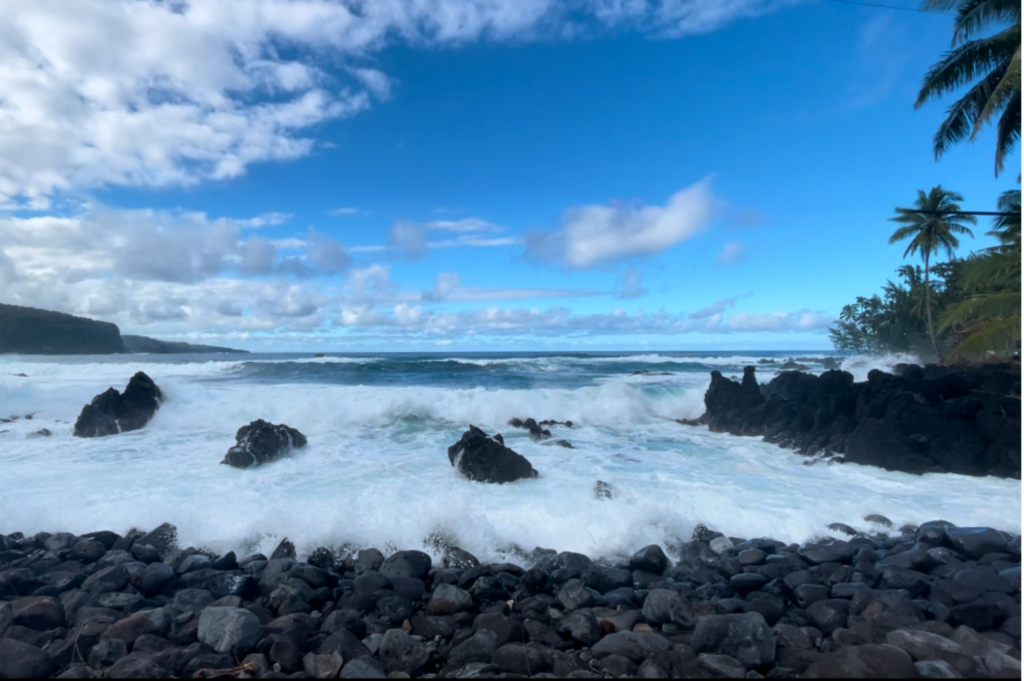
594 235
150 93
346 211
147 245
410 241
375 81
734 251
465 226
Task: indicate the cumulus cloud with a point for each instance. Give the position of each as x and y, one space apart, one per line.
595 235
147 245
149 93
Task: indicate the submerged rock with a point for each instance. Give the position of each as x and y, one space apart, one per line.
536 431
486 459
112 412
261 442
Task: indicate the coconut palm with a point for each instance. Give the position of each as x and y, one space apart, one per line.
995 59
932 225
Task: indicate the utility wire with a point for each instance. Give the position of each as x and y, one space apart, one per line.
905 9
993 213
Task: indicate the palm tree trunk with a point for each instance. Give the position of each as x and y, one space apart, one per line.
928 307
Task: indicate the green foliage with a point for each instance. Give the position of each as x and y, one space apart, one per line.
988 319
894 321
992 60
977 299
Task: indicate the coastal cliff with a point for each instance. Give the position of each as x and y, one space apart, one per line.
159 347
28 330
930 419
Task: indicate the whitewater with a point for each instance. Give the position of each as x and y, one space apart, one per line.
376 471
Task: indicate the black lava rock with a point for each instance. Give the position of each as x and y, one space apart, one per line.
261 442
485 459
112 412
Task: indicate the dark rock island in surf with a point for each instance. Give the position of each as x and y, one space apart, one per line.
261 442
112 412
963 420
486 459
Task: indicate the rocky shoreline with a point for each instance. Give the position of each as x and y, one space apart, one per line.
933 601
931 419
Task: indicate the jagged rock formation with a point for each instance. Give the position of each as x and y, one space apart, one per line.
112 412
921 420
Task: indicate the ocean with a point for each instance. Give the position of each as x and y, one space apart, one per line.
376 471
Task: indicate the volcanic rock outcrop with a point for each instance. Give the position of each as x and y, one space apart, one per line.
921 420
112 412
261 442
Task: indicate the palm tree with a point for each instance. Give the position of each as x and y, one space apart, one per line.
932 225
995 59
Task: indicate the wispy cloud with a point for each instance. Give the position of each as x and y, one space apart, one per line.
732 252
885 48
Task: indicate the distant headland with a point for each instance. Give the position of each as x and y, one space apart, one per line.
31 331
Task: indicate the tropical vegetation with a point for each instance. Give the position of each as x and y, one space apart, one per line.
993 60
976 300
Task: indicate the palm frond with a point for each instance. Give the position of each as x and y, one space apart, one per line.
962 113
1007 131
1002 93
968 62
996 334
974 16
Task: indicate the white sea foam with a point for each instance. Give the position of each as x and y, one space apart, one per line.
376 471
861 365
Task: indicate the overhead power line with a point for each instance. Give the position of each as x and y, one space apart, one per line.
993 213
879 5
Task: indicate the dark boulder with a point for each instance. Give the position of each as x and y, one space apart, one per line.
19 660
112 412
485 459
261 442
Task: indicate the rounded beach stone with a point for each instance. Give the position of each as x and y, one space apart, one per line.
229 630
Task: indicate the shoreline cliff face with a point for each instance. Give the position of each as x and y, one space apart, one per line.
930 419
28 330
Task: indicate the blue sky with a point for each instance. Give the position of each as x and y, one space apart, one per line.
683 174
